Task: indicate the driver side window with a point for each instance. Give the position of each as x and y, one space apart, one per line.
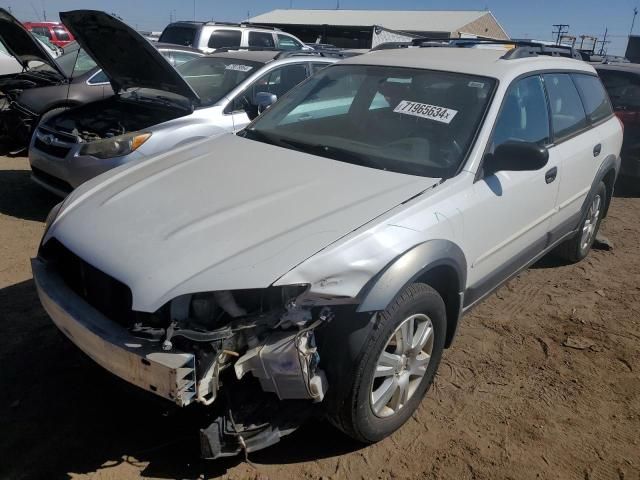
524 116
278 81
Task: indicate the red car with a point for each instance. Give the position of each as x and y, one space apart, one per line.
56 32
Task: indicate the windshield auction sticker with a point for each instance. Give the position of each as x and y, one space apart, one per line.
424 110
238 68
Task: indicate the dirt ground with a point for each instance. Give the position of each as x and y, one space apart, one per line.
513 399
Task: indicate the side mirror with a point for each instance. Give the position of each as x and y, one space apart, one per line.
516 157
264 100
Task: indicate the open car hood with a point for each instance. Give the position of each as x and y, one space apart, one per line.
124 55
21 44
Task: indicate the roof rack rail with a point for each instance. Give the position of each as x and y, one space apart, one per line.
242 24
246 49
521 49
313 53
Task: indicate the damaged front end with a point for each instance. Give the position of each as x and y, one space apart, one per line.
264 333
250 354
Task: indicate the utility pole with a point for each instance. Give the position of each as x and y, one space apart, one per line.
562 28
44 14
633 22
604 42
337 4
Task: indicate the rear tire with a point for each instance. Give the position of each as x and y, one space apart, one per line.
577 247
394 367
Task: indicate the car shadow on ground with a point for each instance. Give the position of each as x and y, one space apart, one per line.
60 414
20 197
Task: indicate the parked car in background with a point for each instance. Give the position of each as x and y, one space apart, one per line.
210 36
56 32
622 81
81 81
157 107
320 261
38 69
51 49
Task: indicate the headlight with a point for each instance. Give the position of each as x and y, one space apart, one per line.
115 146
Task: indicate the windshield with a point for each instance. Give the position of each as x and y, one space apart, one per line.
418 122
75 62
214 77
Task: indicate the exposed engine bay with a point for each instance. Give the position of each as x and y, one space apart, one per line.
115 116
16 122
265 333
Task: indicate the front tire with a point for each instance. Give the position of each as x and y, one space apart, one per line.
395 366
577 247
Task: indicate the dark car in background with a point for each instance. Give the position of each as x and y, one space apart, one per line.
622 81
53 86
56 32
86 82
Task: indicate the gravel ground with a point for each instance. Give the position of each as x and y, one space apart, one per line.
542 382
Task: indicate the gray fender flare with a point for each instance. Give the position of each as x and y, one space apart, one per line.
408 267
416 264
611 162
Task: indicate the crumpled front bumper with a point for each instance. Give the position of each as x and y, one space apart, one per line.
144 364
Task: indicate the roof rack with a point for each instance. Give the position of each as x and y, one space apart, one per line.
283 53
313 53
521 49
246 49
242 25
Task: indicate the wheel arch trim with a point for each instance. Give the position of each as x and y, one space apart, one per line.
431 257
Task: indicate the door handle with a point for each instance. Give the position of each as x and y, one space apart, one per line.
597 149
551 175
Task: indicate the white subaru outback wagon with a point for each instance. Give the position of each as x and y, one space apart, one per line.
320 261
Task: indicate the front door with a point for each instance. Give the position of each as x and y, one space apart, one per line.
510 212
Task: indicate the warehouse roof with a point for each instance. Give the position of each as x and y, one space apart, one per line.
418 20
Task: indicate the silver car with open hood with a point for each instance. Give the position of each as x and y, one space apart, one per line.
156 107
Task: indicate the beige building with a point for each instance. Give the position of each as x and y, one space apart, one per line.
358 28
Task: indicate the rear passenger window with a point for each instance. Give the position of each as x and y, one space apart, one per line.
567 112
524 116
261 39
225 38
594 97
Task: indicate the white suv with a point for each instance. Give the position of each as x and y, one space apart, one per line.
325 255
210 36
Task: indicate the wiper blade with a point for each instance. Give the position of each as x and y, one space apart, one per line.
334 153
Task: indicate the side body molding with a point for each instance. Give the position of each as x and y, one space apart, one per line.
411 266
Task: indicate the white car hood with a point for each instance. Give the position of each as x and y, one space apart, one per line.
222 214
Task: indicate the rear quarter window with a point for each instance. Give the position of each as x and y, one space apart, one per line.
594 97
178 35
567 113
225 38
261 39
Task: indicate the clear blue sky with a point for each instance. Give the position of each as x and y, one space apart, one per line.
532 19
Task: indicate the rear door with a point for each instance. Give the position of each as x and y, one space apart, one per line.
581 146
